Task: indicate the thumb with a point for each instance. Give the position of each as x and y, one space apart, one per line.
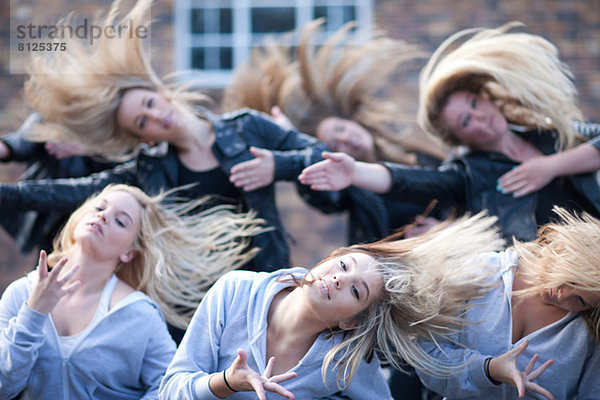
242 356
337 157
258 152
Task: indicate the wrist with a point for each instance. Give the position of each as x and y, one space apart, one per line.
226 382
486 369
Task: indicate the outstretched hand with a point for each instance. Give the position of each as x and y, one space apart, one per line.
256 173
504 369
530 176
49 288
336 172
243 378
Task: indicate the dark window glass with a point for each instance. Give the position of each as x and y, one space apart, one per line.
273 19
226 58
349 13
225 21
197 57
320 11
197 20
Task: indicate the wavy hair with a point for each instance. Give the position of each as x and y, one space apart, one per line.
78 91
343 78
428 281
567 252
520 73
180 253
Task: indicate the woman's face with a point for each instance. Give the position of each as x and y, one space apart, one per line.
343 287
109 228
570 298
348 137
148 115
474 120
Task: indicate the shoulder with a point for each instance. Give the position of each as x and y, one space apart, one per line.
240 277
20 288
121 291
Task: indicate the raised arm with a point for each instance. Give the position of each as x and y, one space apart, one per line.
62 194
477 376
197 370
23 314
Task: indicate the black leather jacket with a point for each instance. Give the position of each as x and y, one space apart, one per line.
156 169
38 228
468 183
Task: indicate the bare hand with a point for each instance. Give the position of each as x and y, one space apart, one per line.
65 149
256 173
531 176
336 172
504 369
49 289
243 378
281 119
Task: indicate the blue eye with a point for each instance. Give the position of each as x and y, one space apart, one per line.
355 292
142 122
343 265
474 103
98 208
120 223
150 103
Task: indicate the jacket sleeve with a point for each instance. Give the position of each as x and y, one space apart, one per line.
469 378
21 336
589 384
589 130
159 354
62 194
368 383
197 357
22 149
447 184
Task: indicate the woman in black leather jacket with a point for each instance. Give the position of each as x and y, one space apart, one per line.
120 102
492 95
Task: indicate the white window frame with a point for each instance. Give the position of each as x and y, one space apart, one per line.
241 39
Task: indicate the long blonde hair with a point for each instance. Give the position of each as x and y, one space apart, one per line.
520 72
343 78
179 253
78 91
428 281
567 252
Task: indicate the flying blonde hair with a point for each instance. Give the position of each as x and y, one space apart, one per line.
78 91
180 253
343 78
428 281
567 252
520 73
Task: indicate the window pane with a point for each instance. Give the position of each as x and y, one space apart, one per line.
336 16
349 13
226 58
320 11
197 20
273 19
197 57
225 21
